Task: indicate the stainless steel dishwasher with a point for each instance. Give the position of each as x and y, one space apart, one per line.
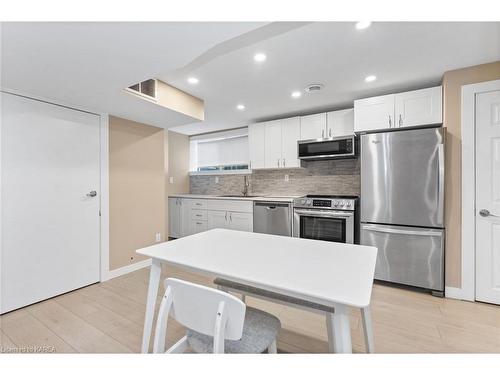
272 217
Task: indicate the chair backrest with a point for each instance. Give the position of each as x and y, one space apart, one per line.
196 307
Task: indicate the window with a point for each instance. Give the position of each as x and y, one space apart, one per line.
146 88
220 152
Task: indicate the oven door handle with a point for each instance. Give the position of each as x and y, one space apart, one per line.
317 213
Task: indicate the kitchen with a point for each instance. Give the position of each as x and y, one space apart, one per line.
334 144
340 194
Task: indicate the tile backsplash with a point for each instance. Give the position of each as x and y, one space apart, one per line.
316 177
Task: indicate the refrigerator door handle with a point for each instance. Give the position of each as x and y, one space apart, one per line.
440 212
377 228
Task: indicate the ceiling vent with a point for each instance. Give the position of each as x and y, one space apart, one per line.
145 88
314 87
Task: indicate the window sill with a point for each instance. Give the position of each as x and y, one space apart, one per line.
216 173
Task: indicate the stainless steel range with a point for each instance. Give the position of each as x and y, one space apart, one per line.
326 217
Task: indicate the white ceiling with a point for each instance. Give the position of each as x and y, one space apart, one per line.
402 55
88 64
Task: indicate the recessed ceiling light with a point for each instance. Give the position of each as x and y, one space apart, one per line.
241 107
363 25
296 94
260 57
370 78
193 80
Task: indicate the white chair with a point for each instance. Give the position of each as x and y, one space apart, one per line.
216 321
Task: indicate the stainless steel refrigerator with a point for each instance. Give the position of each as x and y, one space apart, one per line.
402 205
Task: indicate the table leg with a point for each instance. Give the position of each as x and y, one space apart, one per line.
339 335
368 329
154 282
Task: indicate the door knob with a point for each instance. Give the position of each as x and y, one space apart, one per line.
485 213
93 193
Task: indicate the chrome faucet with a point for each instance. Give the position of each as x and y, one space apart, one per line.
246 184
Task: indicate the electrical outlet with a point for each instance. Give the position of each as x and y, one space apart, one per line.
158 237
287 178
216 179
171 180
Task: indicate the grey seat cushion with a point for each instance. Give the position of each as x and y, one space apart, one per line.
242 288
259 331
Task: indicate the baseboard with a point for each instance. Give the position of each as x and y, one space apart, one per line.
127 269
454 293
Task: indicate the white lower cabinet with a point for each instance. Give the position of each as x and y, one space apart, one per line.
197 226
190 216
174 217
241 221
216 219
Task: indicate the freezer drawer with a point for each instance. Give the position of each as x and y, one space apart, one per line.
407 255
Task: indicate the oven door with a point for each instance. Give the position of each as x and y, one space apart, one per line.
326 225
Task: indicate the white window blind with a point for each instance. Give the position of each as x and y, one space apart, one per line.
219 149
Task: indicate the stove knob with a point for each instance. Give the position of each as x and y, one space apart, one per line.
336 203
303 201
342 204
348 204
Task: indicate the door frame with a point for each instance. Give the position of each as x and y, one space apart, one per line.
104 272
468 128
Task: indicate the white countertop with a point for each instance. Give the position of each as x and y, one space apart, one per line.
260 198
319 271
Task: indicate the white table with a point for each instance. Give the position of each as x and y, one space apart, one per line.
329 273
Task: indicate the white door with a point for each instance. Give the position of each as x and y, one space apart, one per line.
273 144
340 123
174 217
241 221
290 134
419 107
256 139
488 197
313 126
374 113
50 226
217 219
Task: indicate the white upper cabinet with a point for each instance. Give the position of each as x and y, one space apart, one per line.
412 108
340 123
256 143
419 107
272 150
313 126
374 113
290 134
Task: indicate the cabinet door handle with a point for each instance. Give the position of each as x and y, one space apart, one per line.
400 120
250 164
226 216
198 223
330 133
198 215
283 163
390 121
231 216
278 163
323 133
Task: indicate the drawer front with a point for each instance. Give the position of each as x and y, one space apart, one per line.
230 205
199 215
197 226
197 204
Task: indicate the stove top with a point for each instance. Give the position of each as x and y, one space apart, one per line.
328 202
331 196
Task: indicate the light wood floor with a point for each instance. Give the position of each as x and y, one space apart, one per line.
108 317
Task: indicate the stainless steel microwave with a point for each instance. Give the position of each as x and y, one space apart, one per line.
328 148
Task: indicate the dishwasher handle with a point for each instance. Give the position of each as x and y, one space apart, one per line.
271 205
